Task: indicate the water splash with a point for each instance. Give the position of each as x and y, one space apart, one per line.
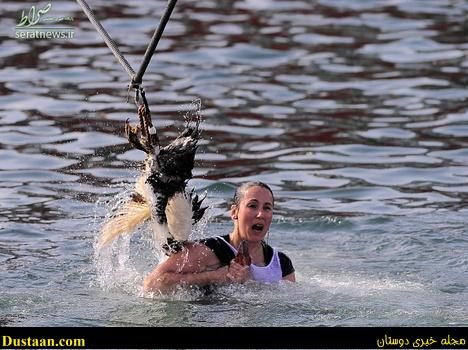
124 263
114 263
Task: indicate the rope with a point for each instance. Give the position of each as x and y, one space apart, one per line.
110 43
136 77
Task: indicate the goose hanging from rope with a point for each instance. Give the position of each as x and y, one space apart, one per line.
160 193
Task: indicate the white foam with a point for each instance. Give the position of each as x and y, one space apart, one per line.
356 284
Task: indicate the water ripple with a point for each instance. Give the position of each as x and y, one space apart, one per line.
353 111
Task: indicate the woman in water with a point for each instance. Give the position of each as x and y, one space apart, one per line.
212 260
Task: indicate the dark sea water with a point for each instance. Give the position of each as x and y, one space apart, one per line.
355 112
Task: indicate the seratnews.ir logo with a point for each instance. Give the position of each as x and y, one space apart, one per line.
33 24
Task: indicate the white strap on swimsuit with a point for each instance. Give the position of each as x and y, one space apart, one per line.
270 273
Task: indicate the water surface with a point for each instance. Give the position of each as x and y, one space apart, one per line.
355 112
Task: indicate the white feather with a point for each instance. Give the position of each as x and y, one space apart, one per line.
131 215
160 233
142 188
179 216
128 218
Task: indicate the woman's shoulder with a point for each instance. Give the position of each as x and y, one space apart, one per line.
283 257
214 241
270 250
219 247
285 262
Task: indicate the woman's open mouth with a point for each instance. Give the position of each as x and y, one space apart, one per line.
257 227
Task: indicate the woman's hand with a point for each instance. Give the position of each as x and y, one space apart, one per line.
238 273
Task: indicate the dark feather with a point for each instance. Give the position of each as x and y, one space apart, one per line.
197 210
172 246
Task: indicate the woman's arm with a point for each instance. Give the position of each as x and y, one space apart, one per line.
291 277
195 265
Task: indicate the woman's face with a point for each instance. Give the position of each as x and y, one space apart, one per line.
254 214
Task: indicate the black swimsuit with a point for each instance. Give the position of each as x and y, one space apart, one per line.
225 254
